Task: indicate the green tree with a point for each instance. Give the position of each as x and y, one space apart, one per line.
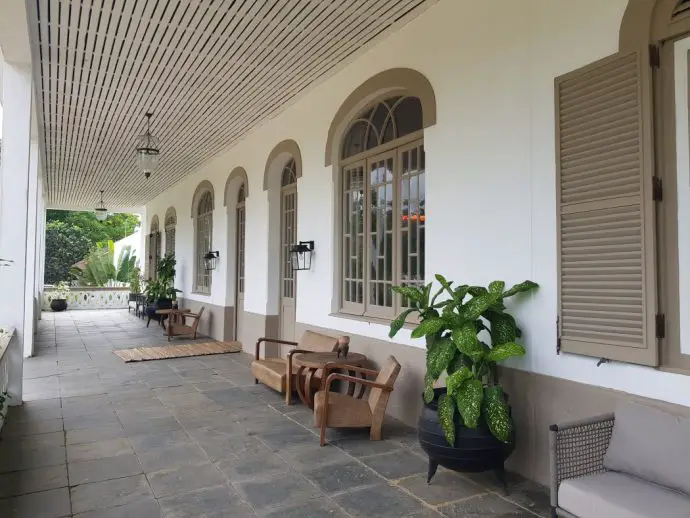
100 266
115 227
65 245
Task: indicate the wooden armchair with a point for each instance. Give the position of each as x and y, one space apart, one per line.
336 410
272 371
178 326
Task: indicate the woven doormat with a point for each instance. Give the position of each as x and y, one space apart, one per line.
142 354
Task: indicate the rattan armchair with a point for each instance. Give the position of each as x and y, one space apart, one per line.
337 410
272 370
577 448
178 326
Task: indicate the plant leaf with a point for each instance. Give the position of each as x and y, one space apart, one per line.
446 413
504 351
439 357
430 326
443 282
497 287
503 327
436 295
397 324
479 304
496 414
460 293
428 389
521 288
455 380
476 291
465 339
426 293
469 400
409 292
458 362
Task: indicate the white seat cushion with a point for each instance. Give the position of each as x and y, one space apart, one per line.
652 445
615 495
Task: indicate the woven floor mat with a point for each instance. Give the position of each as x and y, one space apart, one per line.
141 354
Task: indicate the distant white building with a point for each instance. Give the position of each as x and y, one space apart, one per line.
134 242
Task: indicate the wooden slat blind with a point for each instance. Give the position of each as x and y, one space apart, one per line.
606 279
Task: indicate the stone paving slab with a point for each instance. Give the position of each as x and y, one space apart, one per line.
196 438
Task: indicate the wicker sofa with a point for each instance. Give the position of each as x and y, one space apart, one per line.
631 464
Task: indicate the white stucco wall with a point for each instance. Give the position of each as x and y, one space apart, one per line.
490 171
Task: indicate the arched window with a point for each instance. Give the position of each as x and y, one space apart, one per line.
383 207
241 218
203 230
153 246
170 224
288 195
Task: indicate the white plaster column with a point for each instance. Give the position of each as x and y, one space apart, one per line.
14 214
40 246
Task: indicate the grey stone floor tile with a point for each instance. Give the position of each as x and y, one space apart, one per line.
189 478
98 450
218 502
396 464
155 459
337 478
33 457
26 414
484 506
29 442
277 490
83 422
145 442
364 447
54 503
33 480
321 508
156 425
211 386
307 456
445 487
100 433
521 491
19 429
111 493
247 466
98 470
149 509
379 501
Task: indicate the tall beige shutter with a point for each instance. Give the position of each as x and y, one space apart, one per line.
606 276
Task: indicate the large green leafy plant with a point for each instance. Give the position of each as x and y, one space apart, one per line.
467 334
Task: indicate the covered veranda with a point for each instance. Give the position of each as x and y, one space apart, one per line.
195 437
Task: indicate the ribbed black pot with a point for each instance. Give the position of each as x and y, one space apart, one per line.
58 304
475 450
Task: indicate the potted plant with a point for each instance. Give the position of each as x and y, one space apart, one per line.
466 425
134 283
59 300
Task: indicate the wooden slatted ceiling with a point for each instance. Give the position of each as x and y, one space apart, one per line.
209 70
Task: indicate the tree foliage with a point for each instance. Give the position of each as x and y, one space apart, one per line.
70 235
100 268
114 228
65 245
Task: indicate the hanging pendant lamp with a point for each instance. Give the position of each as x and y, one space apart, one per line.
148 149
101 211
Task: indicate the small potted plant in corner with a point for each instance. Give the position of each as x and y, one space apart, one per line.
465 426
134 283
58 302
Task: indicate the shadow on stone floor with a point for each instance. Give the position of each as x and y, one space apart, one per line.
98 438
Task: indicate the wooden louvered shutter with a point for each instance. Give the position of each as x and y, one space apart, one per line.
606 275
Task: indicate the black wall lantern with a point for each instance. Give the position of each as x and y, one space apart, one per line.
211 260
300 255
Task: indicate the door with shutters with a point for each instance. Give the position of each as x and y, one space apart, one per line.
239 262
607 283
288 237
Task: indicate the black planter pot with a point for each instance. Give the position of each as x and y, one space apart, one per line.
475 450
58 304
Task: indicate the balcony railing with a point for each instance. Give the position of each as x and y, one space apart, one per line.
90 298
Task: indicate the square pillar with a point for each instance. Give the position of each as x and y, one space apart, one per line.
14 214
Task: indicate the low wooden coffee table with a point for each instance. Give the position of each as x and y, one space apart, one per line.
309 363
